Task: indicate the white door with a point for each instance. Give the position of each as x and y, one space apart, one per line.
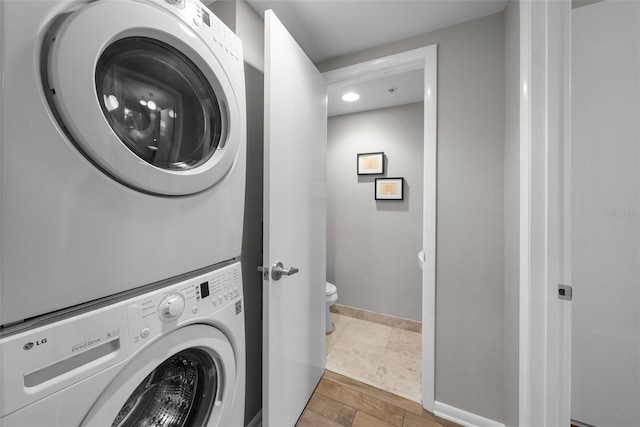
605 214
294 226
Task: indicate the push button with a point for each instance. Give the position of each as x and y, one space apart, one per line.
145 333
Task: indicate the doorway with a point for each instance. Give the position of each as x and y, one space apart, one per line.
372 244
419 59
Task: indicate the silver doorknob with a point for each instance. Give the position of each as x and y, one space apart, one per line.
278 270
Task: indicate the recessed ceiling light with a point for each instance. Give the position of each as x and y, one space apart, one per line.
350 97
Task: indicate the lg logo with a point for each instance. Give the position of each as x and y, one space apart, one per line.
30 345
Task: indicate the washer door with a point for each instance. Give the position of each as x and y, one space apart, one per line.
144 96
194 386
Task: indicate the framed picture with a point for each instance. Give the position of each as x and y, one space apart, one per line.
389 188
371 164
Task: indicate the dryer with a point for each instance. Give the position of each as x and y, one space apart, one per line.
172 356
122 132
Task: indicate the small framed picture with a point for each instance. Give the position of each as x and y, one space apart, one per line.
371 164
389 188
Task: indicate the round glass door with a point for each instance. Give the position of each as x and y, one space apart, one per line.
152 103
158 103
178 393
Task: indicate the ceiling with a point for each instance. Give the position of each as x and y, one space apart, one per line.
388 91
328 29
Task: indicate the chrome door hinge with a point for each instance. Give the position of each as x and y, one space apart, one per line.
565 292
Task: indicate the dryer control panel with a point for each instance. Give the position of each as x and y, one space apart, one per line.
198 298
209 26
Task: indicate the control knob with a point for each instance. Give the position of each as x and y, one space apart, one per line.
171 306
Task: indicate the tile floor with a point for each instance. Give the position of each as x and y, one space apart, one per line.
383 356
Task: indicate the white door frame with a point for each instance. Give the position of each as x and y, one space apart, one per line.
423 58
545 133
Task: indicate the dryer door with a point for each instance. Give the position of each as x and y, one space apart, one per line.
146 94
194 386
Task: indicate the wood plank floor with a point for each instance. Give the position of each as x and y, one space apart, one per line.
340 401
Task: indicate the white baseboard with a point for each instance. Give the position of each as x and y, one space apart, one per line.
256 421
461 417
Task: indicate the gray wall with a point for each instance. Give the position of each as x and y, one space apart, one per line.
511 211
372 246
248 25
470 371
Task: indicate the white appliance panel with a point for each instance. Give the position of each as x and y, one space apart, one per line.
81 369
70 232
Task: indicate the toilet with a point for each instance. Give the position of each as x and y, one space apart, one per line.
332 297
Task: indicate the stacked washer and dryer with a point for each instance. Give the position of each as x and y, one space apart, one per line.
122 175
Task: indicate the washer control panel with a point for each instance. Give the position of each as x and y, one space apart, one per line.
45 359
195 298
171 307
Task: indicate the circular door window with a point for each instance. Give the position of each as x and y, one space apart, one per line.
152 103
179 392
158 103
195 386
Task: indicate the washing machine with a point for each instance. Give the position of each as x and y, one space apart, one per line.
123 133
172 356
